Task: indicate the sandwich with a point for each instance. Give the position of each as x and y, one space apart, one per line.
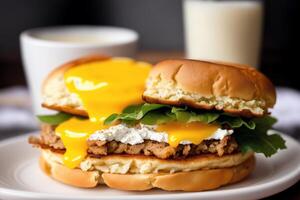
182 125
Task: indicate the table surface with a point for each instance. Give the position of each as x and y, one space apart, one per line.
292 193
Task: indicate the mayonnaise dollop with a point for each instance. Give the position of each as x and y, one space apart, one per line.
137 135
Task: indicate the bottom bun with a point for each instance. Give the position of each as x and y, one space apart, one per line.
205 179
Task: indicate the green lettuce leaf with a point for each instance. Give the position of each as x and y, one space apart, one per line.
236 122
184 115
111 119
54 119
258 140
157 114
134 113
157 117
263 124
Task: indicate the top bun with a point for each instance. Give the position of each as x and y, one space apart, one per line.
232 88
54 91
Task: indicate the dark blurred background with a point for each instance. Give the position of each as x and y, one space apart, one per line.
158 22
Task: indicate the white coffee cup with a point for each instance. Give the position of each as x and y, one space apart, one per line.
43 49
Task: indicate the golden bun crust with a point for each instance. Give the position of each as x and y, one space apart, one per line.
74 177
233 88
197 180
54 92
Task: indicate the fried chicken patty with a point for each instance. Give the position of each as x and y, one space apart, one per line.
48 139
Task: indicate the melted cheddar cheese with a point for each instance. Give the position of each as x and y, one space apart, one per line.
194 132
104 87
74 134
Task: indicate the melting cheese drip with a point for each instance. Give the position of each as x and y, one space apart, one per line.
74 134
194 132
107 87
104 87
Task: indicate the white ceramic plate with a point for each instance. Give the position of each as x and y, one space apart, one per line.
21 178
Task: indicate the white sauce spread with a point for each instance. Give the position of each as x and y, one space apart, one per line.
134 135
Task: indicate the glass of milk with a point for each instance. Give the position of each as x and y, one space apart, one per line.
223 30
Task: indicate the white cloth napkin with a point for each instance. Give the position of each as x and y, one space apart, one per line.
15 109
287 109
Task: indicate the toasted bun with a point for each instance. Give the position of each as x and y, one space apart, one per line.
54 92
233 88
196 180
141 164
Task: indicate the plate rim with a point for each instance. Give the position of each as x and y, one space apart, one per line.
283 182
